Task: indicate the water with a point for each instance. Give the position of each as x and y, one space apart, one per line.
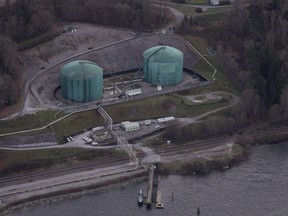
258 186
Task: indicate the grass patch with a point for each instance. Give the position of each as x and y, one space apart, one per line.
6 111
20 123
203 68
19 161
203 165
12 157
219 10
27 44
211 14
204 100
78 122
197 2
199 43
166 105
236 150
153 107
201 97
186 10
222 83
26 122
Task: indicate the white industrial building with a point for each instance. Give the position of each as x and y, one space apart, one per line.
166 119
130 126
214 2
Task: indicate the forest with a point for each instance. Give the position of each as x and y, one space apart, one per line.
254 41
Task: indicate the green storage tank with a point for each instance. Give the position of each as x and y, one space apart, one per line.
163 65
81 81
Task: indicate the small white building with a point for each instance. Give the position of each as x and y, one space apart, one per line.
133 92
166 119
130 126
214 2
147 122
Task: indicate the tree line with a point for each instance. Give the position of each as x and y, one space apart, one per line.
262 36
253 41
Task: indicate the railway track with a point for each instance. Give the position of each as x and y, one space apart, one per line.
124 159
65 170
219 141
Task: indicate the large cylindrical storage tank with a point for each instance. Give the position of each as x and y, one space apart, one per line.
163 65
81 81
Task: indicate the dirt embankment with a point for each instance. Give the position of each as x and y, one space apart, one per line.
205 161
74 192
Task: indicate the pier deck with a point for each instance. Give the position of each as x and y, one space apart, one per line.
153 189
159 204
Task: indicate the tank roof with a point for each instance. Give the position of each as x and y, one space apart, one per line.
81 69
163 54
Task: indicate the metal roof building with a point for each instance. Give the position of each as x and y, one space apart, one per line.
81 81
163 65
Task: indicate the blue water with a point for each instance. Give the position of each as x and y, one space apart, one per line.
258 186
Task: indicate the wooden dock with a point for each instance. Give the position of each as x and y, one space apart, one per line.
153 189
159 203
150 186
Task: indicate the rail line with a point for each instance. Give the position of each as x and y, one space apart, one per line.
87 166
124 159
219 141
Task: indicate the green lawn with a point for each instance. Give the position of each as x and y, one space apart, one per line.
27 122
78 122
197 2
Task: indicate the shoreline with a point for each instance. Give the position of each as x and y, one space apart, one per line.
185 167
71 195
96 184
76 191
